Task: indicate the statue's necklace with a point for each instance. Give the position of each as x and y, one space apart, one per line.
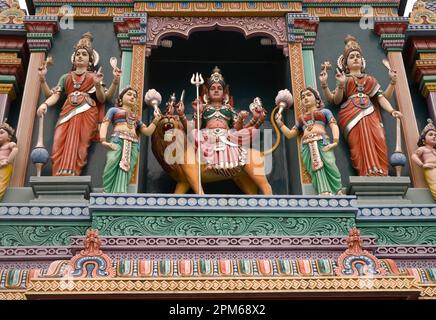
130 118
360 87
78 83
309 127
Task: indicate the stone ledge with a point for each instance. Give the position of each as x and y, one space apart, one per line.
153 202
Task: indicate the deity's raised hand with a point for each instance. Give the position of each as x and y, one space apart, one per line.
323 76
180 108
98 77
340 76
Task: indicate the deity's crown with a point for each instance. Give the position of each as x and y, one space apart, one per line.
216 77
85 42
351 44
429 127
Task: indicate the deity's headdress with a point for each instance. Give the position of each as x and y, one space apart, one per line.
429 127
216 77
9 130
351 45
85 42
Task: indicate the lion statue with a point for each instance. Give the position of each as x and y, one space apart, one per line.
178 159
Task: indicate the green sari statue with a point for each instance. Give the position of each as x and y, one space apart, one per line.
316 149
124 144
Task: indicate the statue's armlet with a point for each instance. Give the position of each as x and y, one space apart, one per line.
419 152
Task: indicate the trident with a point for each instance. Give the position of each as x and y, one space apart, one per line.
197 80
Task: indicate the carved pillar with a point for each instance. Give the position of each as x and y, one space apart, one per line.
13 54
40 31
301 38
131 34
392 38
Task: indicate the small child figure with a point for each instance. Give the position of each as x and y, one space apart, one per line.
425 155
8 151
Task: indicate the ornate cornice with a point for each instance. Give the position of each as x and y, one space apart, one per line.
131 29
302 28
40 31
271 27
391 31
219 8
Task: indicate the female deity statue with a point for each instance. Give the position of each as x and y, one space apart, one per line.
425 155
82 111
124 144
224 139
316 150
360 97
8 151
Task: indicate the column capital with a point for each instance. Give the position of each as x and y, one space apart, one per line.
130 29
40 31
392 31
8 88
302 28
427 85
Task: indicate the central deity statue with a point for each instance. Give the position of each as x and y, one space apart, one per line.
220 138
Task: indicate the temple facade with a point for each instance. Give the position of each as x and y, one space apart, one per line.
216 149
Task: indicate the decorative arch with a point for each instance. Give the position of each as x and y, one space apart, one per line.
272 27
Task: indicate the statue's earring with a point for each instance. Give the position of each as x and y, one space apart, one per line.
205 98
226 99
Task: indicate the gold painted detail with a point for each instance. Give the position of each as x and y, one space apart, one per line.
427 88
218 8
421 15
427 56
12 295
13 14
349 13
8 88
222 285
86 12
428 291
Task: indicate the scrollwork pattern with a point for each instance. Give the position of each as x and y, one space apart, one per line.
402 234
222 226
38 235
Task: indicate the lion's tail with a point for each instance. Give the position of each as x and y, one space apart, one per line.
276 129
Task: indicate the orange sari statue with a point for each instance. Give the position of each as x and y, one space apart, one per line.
360 98
82 111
